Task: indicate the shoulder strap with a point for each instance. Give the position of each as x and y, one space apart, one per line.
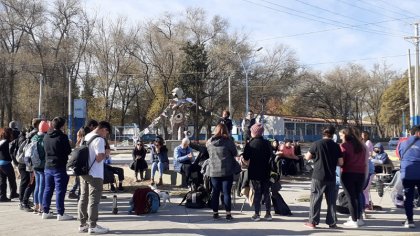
91 139
408 147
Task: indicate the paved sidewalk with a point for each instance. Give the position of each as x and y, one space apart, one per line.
178 220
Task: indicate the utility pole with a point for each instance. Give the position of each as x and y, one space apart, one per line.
70 118
40 96
410 90
415 41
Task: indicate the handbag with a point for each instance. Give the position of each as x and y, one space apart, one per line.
133 165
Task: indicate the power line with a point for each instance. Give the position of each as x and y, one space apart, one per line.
332 29
334 13
355 60
312 19
394 6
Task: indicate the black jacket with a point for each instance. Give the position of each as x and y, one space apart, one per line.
57 149
258 151
4 151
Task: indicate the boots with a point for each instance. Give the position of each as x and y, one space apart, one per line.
153 182
120 187
141 176
160 181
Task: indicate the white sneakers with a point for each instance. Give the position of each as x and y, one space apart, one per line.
351 224
48 215
64 217
98 230
409 224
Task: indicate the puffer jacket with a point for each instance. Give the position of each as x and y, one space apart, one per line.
382 156
222 153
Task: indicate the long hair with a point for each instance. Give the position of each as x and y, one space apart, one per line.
221 131
6 133
351 135
80 135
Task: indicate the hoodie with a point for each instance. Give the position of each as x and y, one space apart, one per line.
57 149
258 152
381 157
222 153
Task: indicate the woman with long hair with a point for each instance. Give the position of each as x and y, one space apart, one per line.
222 153
353 173
139 155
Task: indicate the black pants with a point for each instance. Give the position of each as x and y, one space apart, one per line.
186 170
353 187
26 186
117 171
318 189
262 192
7 173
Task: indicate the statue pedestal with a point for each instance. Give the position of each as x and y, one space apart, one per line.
171 145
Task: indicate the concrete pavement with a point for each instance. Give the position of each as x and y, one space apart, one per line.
178 220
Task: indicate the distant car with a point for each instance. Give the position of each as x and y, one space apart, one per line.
148 138
393 142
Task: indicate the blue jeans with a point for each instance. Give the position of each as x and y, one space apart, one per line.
409 186
157 166
55 179
262 190
221 184
39 187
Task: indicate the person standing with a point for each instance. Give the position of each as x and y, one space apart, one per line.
222 152
92 183
57 149
226 121
247 122
139 158
326 155
7 173
258 152
39 170
409 152
353 173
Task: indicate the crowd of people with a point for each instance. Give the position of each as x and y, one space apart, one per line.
351 164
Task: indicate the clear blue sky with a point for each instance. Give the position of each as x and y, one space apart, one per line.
323 33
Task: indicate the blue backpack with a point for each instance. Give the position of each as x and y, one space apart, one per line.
153 201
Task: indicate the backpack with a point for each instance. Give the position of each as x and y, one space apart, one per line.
153 201
78 163
20 154
143 202
32 158
196 198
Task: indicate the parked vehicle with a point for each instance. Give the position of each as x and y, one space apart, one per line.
393 142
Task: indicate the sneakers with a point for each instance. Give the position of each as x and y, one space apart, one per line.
48 215
255 217
268 217
216 216
351 224
98 230
113 188
27 209
334 226
64 217
83 228
229 217
15 195
309 225
409 224
73 195
360 222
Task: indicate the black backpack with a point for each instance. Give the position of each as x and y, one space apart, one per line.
78 163
198 198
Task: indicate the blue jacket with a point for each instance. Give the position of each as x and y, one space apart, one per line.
410 162
181 157
382 156
159 157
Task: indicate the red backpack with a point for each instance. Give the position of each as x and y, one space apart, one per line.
140 203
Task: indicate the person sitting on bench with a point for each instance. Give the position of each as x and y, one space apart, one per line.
380 158
287 153
183 158
113 169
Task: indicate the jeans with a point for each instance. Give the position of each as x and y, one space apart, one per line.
409 186
26 186
262 189
221 184
55 179
76 185
353 184
39 187
158 166
318 189
7 173
90 196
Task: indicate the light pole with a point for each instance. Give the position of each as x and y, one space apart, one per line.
246 78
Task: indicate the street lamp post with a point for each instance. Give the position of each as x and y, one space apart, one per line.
246 79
